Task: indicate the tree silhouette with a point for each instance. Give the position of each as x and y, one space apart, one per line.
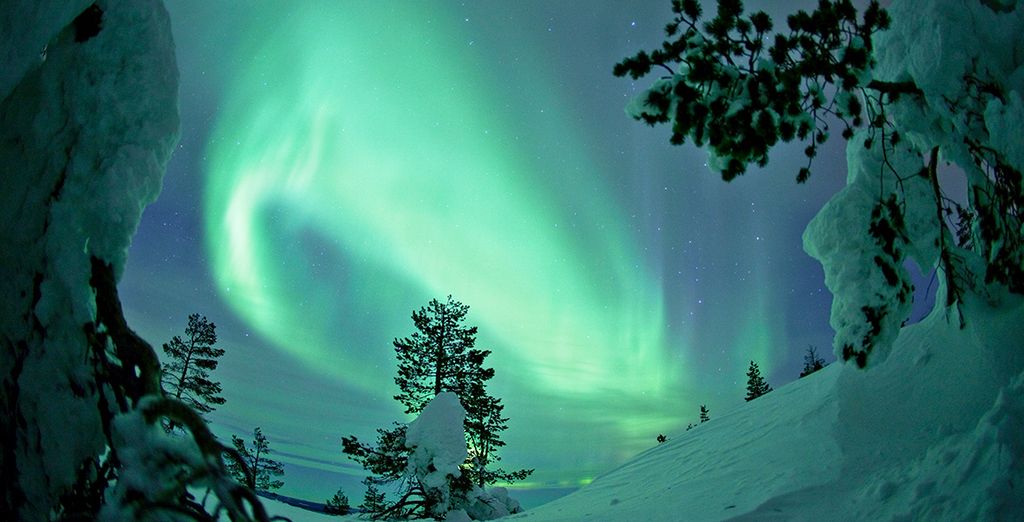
812 361
338 504
440 356
186 376
373 500
756 385
259 468
704 414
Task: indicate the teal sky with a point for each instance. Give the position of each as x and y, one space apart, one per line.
342 163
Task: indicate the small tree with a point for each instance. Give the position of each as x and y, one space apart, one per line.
812 361
186 375
704 414
338 504
373 500
662 438
756 385
259 468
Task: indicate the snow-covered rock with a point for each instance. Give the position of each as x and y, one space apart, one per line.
85 131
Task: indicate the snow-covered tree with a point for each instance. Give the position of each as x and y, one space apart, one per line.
338 504
186 376
812 361
704 414
440 356
86 128
756 385
912 89
259 469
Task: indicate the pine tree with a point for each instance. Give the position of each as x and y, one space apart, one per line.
812 361
440 356
704 414
338 504
373 500
436 357
756 385
186 375
821 66
258 468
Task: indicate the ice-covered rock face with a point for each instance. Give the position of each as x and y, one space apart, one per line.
88 119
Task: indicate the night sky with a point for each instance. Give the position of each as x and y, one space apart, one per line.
342 163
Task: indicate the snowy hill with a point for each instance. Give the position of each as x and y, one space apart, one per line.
935 433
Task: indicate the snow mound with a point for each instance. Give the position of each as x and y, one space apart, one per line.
934 433
438 441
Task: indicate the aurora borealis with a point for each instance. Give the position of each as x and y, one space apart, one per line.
342 163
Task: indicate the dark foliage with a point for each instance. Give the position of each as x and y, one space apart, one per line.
186 376
439 357
259 469
704 414
812 361
337 505
373 500
756 385
740 87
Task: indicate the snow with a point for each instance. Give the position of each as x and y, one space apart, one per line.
84 136
437 440
933 434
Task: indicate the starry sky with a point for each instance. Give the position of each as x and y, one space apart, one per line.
342 163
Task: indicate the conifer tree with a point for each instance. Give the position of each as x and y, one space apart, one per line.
338 504
259 469
812 361
739 86
373 500
704 414
756 385
441 356
186 376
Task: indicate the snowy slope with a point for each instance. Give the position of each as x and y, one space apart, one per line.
933 434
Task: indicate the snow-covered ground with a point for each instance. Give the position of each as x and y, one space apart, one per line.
936 433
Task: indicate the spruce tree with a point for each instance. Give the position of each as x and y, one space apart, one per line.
812 361
186 376
704 414
373 500
338 504
259 469
756 385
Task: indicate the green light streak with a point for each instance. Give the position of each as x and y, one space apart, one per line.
358 159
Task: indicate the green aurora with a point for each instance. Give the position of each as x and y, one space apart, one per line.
345 173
